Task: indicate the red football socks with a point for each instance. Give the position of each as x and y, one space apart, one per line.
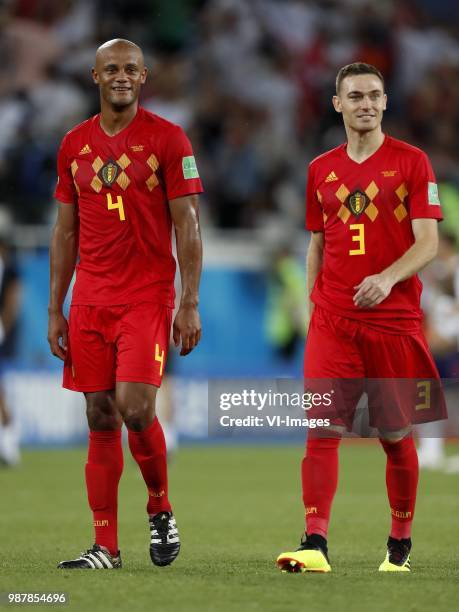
402 474
148 448
319 474
103 473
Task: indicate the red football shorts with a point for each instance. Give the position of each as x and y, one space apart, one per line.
109 344
397 372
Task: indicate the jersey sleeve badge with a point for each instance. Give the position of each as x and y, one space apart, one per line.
432 192
190 170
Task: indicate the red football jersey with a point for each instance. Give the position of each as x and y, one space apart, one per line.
121 185
365 211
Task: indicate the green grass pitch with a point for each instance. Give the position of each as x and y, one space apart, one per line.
237 508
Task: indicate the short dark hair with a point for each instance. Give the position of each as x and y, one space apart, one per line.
357 68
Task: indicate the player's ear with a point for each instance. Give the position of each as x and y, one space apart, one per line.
336 104
95 76
384 102
144 75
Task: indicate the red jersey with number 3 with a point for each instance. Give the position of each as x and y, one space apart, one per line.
121 185
365 211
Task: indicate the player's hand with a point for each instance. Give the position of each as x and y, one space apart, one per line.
187 328
372 291
58 334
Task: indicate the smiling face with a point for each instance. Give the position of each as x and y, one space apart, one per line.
119 72
361 100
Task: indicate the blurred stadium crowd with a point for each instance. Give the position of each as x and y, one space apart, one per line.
250 81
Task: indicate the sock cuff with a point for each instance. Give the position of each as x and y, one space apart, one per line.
112 435
322 443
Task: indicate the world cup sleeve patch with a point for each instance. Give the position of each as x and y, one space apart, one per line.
189 168
434 199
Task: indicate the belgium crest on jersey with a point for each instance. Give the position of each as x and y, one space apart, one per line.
357 202
108 173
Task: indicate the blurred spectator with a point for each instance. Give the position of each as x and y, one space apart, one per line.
9 312
441 307
286 307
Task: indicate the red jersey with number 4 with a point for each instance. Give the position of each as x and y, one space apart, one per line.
121 185
365 211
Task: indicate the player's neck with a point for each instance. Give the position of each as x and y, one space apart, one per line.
112 121
362 145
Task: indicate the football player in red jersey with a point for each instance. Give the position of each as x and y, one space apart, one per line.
373 208
125 177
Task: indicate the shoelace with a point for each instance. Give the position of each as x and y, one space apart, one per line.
162 526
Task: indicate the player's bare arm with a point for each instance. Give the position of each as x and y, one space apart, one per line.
63 255
374 289
314 259
187 323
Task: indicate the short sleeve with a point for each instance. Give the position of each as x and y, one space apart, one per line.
314 213
423 198
65 189
179 168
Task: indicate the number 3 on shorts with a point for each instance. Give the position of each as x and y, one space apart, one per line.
159 356
116 205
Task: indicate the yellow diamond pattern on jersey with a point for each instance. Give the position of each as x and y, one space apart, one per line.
153 162
402 192
344 214
96 183
372 190
371 211
319 196
152 180
123 162
401 212
342 193
97 164
123 180
74 168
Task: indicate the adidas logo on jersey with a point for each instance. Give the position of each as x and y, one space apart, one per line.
331 177
85 149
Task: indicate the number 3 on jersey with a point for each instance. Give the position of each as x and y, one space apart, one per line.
116 205
358 237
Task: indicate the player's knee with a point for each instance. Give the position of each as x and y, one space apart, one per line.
101 412
136 408
100 420
136 418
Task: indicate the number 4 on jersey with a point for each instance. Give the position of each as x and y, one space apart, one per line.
116 205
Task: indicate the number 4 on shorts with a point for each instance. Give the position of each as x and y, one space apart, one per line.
159 356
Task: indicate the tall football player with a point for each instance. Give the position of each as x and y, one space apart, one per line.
372 208
125 177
